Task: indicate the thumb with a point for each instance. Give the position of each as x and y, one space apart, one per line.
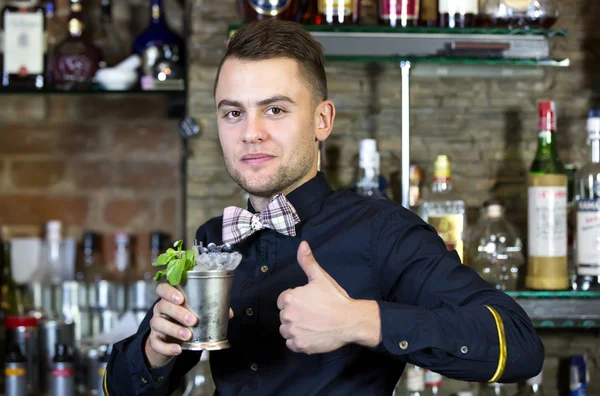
307 262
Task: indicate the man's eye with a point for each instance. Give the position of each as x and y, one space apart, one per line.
276 110
233 113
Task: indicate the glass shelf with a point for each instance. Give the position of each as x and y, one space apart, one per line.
554 294
92 91
453 60
426 30
566 324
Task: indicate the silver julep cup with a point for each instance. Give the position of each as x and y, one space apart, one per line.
208 295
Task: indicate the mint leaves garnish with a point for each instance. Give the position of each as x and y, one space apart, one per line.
178 262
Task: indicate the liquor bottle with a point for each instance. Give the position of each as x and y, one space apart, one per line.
433 381
495 249
337 12
493 389
533 387
76 58
257 10
24 59
399 13
368 170
571 171
63 375
547 210
107 39
89 267
123 260
524 14
415 381
415 193
429 13
162 52
587 196
458 13
578 376
444 209
15 371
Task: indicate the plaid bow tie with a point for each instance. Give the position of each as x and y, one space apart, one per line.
279 215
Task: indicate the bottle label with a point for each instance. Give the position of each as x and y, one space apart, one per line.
588 237
450 229
24 41
62 372
336 7
398 9
460 7
432 379
415 381
518 5
547 215
15 372
429 10
269 7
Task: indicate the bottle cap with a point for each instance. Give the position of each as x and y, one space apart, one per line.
53 230
90 240
547 113
367 154
537 380
13 322
416 174
121 238
593 124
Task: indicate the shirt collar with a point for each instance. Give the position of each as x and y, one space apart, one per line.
303 197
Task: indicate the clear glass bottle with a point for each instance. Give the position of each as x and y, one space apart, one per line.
25 58
90 268
520 14
433 382
444 209
532 387
493 389
415 382
368 173
107 39
495 248
587 196
547 210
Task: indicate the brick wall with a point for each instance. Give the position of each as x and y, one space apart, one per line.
488 127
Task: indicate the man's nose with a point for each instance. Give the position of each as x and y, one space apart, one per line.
254 130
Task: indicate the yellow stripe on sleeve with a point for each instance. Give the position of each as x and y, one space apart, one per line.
502 341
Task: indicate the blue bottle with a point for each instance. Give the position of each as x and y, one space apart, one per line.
578 376
162 52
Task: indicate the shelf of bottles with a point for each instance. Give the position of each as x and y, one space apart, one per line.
561 309
76 55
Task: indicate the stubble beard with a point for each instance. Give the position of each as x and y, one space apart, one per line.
283 177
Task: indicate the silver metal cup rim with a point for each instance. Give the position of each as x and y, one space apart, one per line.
209 274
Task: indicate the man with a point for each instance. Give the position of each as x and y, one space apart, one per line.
349 290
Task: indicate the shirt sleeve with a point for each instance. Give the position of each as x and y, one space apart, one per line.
439 314
128 372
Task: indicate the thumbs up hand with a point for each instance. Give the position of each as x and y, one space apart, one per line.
319 317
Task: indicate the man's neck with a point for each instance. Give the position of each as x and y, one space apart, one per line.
260 203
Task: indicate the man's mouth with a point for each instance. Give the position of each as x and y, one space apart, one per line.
257 158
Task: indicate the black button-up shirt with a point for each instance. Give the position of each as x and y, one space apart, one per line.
435 312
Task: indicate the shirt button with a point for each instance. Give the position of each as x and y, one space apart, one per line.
144 380
403 345
464 349
254 367
249 311
264 268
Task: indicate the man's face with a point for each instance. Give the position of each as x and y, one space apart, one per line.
268 125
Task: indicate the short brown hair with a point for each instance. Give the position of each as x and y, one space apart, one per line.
271 39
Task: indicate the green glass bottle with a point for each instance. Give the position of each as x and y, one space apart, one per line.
547 210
